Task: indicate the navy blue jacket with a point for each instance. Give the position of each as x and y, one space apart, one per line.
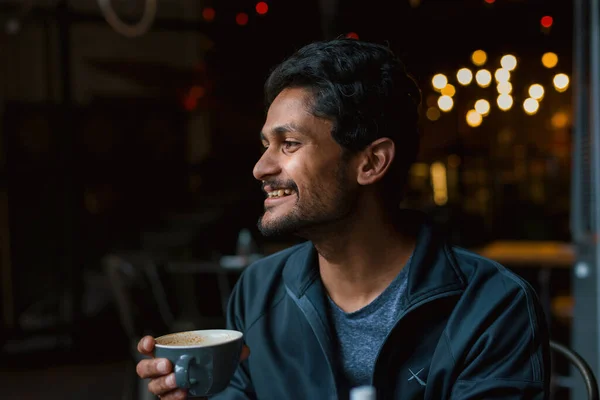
471 329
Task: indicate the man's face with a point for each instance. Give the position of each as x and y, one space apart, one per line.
306 177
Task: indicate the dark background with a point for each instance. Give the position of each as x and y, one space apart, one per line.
114 145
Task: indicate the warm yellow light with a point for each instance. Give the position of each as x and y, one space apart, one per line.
502 75
531 106
420 170
561 82
433 114
464 76
479 57
505 102
536 91
549 60
474 119
483 78
449 90
439 81
504 88
508 62
439 181
482 106
445 103
560 119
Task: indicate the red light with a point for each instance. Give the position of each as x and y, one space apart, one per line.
190 103
208 14
547 21
262 7
490 1
241 19
352 35
196 92
190 100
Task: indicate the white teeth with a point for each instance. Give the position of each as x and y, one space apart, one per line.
287 191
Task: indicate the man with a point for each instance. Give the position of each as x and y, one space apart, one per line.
376 296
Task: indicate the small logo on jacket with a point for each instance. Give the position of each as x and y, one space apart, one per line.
416 377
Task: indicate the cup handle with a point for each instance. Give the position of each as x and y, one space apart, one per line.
182 371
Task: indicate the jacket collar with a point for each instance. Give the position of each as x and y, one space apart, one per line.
433 267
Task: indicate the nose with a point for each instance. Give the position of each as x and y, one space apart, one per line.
266 166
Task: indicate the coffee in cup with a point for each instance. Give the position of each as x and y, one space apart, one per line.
204 361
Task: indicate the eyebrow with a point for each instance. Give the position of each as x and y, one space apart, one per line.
283 129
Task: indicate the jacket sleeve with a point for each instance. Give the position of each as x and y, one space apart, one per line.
240 387
507 355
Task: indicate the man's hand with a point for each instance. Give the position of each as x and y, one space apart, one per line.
160 371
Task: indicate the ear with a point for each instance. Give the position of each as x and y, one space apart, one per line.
375 161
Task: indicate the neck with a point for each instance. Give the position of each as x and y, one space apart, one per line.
362 255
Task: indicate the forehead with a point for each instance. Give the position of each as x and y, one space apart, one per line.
290 109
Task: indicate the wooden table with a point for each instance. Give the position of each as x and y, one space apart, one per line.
535 254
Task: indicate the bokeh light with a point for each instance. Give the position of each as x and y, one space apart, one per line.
482 106
531 106
445 103
474 119
549 60
483 78
547 21
536 91
561 82
439 81
449 90
508 62
262 7
505 102
560 120
502 75
504 87
241 19
208 14
464 76
479 57
433 114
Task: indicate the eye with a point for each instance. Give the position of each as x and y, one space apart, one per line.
290 145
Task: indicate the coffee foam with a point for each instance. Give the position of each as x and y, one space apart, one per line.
181 340
193 339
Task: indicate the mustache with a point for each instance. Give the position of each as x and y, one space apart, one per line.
280 184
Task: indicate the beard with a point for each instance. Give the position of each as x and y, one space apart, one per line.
322 206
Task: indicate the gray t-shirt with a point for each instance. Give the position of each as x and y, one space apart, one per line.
361 333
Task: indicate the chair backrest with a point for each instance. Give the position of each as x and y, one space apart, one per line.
584 368
139 296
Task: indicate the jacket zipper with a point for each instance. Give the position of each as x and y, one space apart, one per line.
403 314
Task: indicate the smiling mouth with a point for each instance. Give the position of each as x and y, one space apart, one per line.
276 194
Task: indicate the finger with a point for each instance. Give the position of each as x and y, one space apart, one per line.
153 368
163 385
146 345
245 353
178 394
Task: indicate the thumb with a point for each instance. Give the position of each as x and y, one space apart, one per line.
146 346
